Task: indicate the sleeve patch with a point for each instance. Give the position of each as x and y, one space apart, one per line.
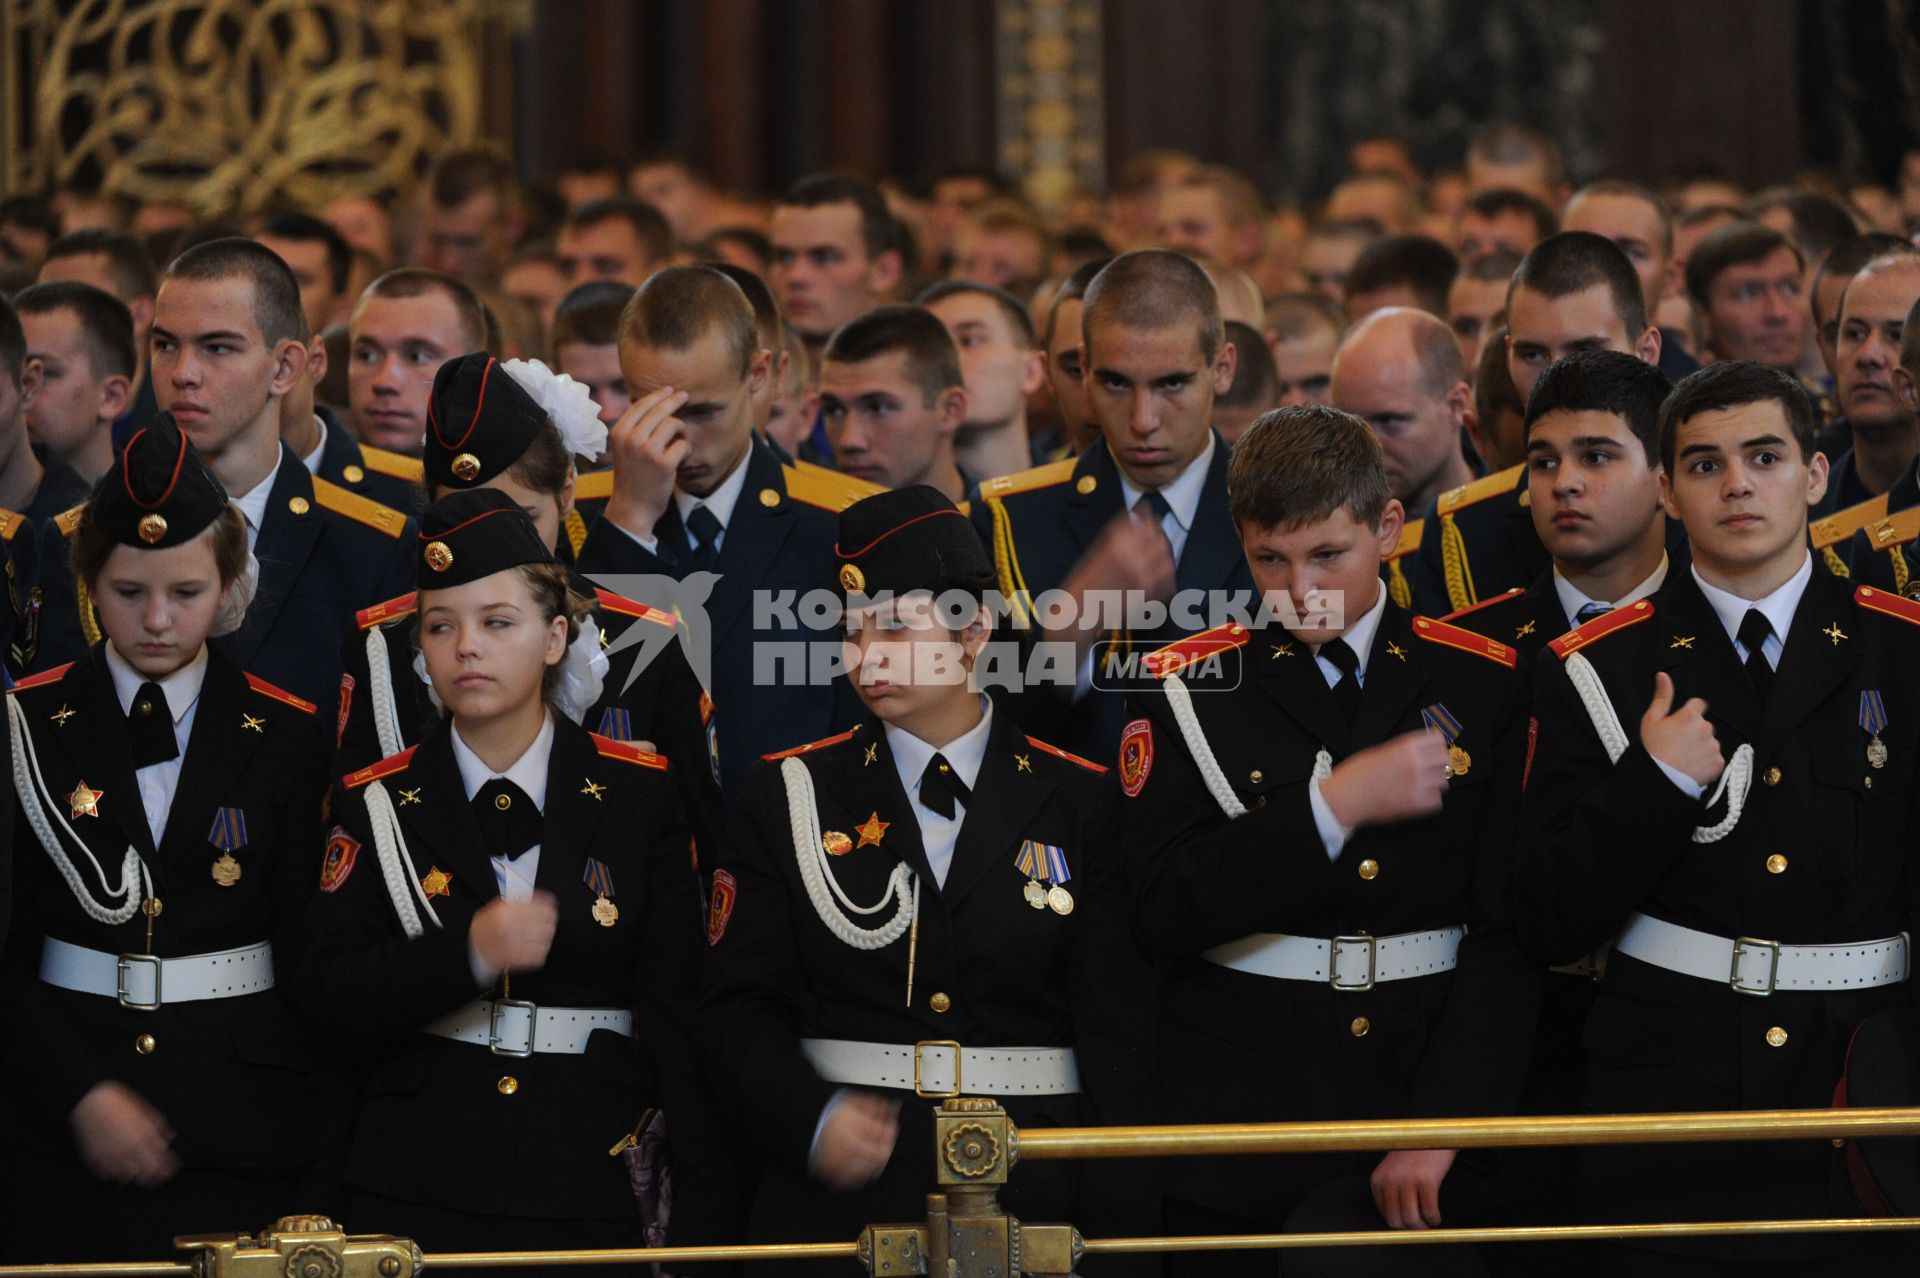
342 851
1136 757
346 708
720 909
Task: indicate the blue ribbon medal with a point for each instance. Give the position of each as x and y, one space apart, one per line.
1440 719
599 881
1043 861
1873 721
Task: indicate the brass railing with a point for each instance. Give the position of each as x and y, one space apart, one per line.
976 1145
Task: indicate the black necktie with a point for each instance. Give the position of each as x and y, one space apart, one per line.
150 728
1588 611
1153 508
1346 693
1753 637
508 820
703 534
940 785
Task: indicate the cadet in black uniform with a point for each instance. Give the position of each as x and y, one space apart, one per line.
169 839
517 428
507 925
1731 759
948 878
1319 844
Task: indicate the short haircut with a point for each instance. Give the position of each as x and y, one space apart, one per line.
766 311
129 265
649 227
933 361
461 175
995 184
1256 378
1511 144
1496 267
1739 244
1418 262
876 222
476 324
1240 199
106 325
1491 204
1155 288
13 344
1019 323
669 158
1604 382
589 315
1575 261
1820 222
1349 228
31 212
1141 172
304 228
1437 351
680 305
1709 213
276 294
1849 256
1730 384
1297 466
1295 315
750 238
1634 191
1072 289
1493 390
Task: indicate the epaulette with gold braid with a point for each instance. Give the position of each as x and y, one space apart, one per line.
44 677
1470 609
1600 627
628 752
822 488
1068 755
1025 481
362 510
11 522
810 746
1896 529
281 695
396 465
1842 524
633 608
381 613
69 519
378 771
1885 601
595 485
1500 481
1465 640
1181 653
1410 534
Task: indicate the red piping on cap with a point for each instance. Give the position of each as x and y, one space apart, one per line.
126 476
855 554
434 418
487 514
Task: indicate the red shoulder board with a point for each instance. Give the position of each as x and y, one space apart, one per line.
1465 640
1068 755
1605 624
368 618
1470 609
44 677
810 746
611 749
376 771
630 608
281 695
1181 653
1883 601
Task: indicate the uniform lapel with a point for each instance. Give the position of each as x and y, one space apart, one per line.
571 815
1006 795
1285 669
95 742
212 759
861 788
1396 674
1213 550
1090 507
754 536
1695 650
440 828
1819 654
289 530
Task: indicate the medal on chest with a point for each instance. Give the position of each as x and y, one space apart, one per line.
1873 721
1440 719
1046 869
229 834
599 881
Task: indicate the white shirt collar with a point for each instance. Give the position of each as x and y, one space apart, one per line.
964 753
1573 599
1183 494
1778 607
529 771
312 460
721 500
1359 636
253 503
182 687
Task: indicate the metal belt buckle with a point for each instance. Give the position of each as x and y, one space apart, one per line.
918 1089
1333 963
1741 947
493 1025
120 982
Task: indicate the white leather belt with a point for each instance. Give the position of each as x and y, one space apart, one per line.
515 1027
1348 963
144 982
944 1068
1752 965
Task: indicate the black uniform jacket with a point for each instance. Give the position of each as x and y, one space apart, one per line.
1821 855
436 1125
1479 541
392 479
233 1075
1240 1047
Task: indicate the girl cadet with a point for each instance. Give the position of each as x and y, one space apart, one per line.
168 834
931 877
517 427
505 925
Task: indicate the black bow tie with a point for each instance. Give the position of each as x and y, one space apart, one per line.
508 820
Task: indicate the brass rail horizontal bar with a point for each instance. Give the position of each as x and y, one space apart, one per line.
1510 1233
640 1255
131 1269
1463 1133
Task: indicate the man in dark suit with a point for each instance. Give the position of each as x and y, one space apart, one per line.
1142 511
698 500
1643 824
1323 799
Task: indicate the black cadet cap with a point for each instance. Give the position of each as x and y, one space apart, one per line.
160 491
907 539
470 535
480 421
